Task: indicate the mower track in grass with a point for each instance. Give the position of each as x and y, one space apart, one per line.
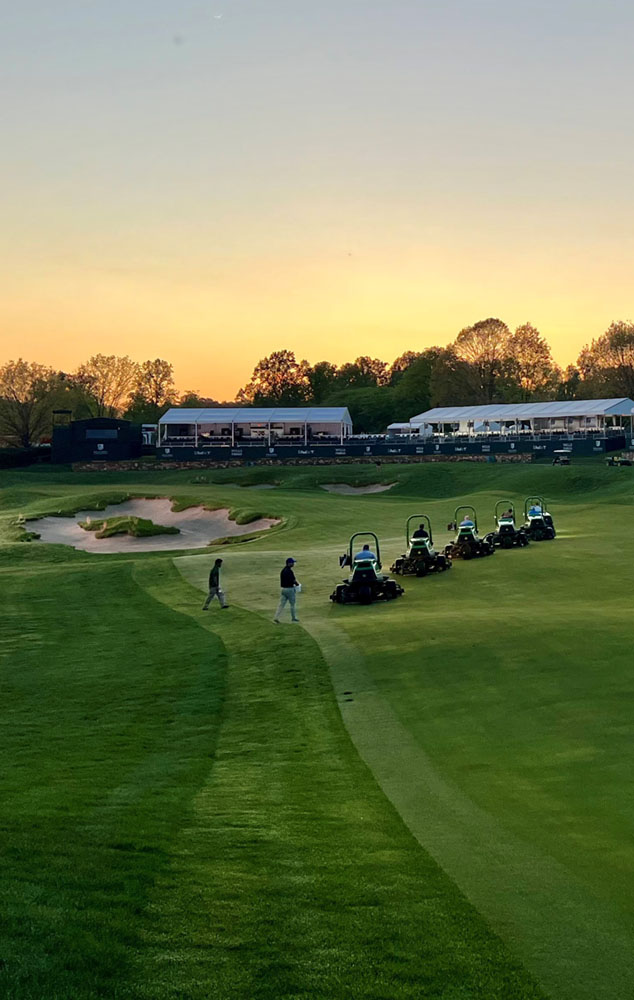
295 877
577 947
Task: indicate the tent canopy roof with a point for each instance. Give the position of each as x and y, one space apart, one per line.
258 415
526 411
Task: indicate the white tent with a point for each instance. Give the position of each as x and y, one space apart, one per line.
228 424
567 415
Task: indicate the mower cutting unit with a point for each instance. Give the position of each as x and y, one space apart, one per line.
468 544
421 557
506 534
539 523
366 583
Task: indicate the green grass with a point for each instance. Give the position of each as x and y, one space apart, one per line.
137 527
424 799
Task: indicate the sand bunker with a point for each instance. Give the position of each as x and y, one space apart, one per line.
197 527
355 490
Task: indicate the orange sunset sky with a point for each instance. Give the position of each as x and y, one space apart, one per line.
208 182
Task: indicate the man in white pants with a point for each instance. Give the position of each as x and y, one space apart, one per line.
289 585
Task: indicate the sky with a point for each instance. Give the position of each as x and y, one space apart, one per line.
207 181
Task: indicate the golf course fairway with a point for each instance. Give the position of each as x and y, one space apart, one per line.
430 797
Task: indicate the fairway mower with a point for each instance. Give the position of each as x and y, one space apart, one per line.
506 535
421 557
539 524
365 583
467 543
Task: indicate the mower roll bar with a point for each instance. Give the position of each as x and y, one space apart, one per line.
418 517
359 534
507 503
542 504
457 511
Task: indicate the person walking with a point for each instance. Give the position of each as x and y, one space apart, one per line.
215 590
288 595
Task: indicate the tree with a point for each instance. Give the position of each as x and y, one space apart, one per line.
155 382
484 348
570 384
374 369
607 365
192 399
321 379
530 365
364 373
27 392
452 381
107 381
371 407
412 392
400 365
153 392
277 380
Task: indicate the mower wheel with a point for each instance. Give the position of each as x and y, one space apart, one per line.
365 595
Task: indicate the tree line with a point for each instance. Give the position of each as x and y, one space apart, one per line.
486 363
104 386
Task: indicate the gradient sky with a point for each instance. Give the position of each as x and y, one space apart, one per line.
210 181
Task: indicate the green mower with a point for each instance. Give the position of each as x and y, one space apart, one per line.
506 535
467 543
366 583
421 557
539 524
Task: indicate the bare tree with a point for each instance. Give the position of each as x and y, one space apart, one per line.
107 380
26 401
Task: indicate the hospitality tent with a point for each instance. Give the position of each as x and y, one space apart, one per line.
571 416
251 423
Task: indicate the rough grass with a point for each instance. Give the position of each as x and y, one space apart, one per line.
184 814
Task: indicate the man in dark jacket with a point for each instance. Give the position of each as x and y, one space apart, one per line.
215 590
288 595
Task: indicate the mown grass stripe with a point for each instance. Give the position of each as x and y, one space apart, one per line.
297 878
577 947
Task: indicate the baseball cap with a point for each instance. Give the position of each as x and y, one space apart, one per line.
290 560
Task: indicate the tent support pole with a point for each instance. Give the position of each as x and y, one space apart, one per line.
305 433
233 434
